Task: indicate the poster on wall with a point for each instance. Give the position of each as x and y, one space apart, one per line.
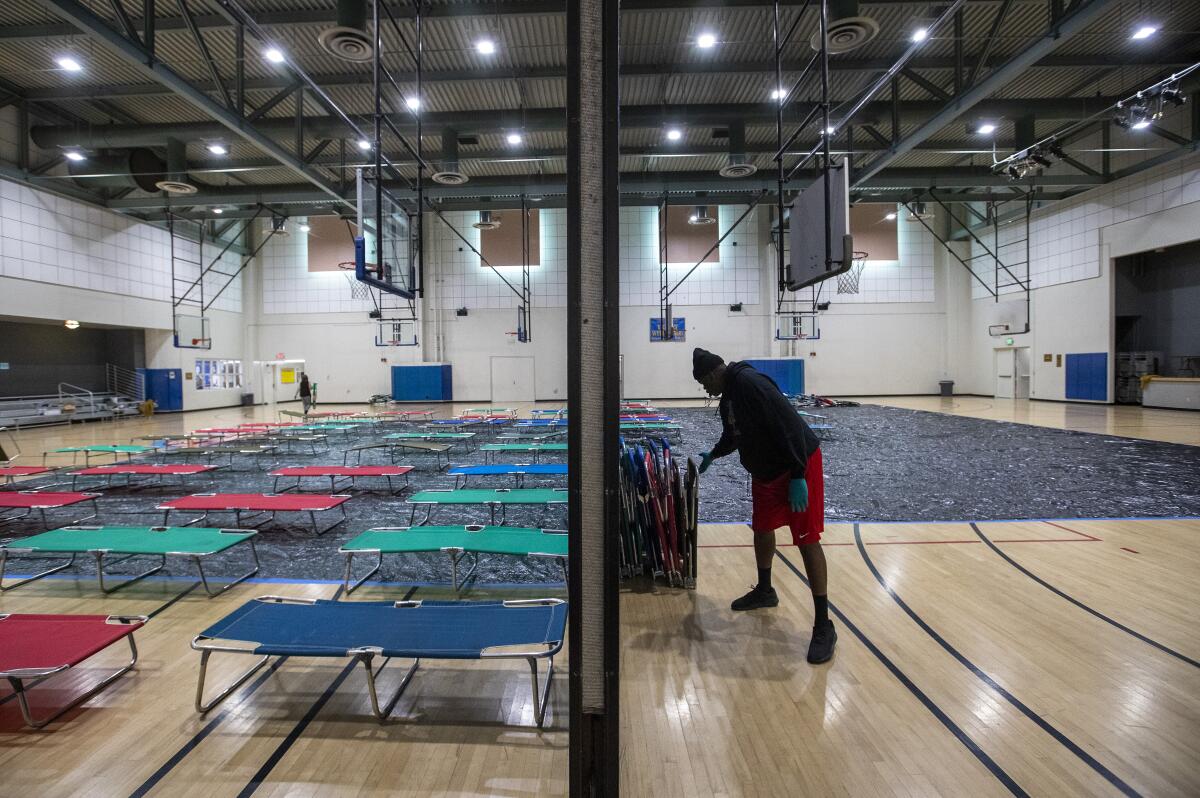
678 329
287 376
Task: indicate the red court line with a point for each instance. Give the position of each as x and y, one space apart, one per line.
1072 531
1131 551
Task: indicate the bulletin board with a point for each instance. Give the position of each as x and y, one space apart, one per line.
287 376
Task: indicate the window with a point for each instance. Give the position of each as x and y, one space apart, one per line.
503 245
218 374
690 236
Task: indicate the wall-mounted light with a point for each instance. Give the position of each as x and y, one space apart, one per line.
71 324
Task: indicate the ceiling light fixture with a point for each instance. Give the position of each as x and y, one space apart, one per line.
674 134
1144 32
485 46
274 55
218 210
71 324
69 64
218 149
514 138
413 103
706 41
986 129
304 228
74 156
777 94
1140 124
364 145
891 217
920 35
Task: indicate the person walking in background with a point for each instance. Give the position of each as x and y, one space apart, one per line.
305 392
787 484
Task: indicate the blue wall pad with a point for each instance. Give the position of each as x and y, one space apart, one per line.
788 372
428 382
1087 376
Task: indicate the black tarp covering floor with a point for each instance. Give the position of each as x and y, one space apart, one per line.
881 463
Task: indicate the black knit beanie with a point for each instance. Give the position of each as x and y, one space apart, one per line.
703 363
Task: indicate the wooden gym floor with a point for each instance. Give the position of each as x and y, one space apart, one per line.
1060 659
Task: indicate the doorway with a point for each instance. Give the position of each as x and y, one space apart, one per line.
1013 372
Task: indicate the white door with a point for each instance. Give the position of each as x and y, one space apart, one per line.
1005 374
512 379
1021 373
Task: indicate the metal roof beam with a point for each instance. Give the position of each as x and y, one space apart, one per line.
226 120
1058 33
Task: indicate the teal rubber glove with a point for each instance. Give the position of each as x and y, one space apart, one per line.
798 495
706 459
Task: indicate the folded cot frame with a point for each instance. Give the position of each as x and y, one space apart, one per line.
366 656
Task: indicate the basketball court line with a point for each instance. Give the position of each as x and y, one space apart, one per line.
1082 537
993 767
1165 649
984 677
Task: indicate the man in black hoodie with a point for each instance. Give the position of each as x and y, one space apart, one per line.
787 485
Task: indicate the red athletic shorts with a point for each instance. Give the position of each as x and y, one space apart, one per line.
772 509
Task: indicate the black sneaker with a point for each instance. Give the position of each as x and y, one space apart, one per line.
823 637
756 599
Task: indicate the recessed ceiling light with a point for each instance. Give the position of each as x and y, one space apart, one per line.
890 217
304 228
274 55
706 40
413 103
1141 124
74 156
217 149
674 134
363 144
485 46
218 210
986 129
1144 32
920 35
514 138
71 65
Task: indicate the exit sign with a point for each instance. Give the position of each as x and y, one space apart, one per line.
279 355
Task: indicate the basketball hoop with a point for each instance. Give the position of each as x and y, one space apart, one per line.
347 265
847 281
358 289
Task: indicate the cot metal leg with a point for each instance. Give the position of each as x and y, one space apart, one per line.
20 688
541 699
35 577
239 580
100 573
381 713
455 559
203 707
350 588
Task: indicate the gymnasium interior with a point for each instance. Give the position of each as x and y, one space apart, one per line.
397 396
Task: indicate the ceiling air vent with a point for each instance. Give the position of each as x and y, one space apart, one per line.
348 40
846 29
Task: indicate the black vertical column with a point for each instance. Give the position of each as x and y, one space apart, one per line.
593 346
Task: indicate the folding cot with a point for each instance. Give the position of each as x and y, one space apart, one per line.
166 439
335 472
258 504
343 429
531 435
516 470
465 438
35 647
491 412
547 412
88 451
439 450
536 449
276 626
150 470
209 452
30 500
498 497
291 438
457 542
456 424
221 433
127 542
10 473
541 422
409 415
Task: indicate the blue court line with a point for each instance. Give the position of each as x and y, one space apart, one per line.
1081 605
933 708
1038 720
286 744
993 520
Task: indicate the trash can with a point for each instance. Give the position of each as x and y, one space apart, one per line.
947 387
247 399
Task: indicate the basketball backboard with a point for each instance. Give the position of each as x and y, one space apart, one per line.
384 249
192 332
809 224
797 326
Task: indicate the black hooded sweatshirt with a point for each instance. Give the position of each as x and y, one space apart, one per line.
760 423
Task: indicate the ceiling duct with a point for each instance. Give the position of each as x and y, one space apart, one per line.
449 174
176 180
846 30
700 216
120 169
348 39
739 165
487 221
